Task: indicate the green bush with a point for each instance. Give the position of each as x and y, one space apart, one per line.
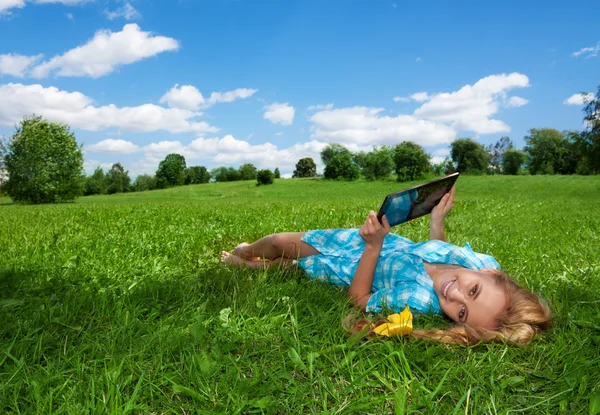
411 161
44 163
264 177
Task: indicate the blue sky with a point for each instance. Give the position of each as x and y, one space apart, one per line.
269 82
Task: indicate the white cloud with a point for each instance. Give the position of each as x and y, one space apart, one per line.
188 97
105 52
6 5
128 12
367 126
579 99
90 165
279 134
516 102
65 2
76 109
112 146
15 64
589 52
279 113
471 107
320 107
439 155
419 97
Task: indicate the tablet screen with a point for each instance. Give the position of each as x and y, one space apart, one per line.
415 202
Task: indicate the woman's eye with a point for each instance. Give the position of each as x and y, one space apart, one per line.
461 313
473 290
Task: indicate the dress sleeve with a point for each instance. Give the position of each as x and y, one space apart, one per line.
395 299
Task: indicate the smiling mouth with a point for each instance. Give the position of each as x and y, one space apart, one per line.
446 287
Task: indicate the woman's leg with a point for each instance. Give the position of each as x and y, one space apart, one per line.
278 245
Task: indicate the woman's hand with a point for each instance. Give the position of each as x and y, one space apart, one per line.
439 212
372 231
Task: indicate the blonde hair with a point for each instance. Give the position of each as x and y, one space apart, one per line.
525 315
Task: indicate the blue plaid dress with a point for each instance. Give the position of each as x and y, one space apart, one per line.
400 278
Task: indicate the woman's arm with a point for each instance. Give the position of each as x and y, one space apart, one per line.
372 233
438 214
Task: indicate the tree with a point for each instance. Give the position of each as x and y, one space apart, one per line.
444 168
171 171
411 161
44 163
276 173
233 175
247 172
339 163
264 177
332 150
378 164
512 160
469 156
219 174
359 159
197 175
96 183
305 167
117 180
495 152
592 135
144 182
545 148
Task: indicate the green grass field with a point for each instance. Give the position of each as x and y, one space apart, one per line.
117 304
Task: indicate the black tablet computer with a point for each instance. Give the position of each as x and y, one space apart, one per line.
415 202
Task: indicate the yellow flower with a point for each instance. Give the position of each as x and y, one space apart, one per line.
399 325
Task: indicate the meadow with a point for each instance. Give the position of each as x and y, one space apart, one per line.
118 304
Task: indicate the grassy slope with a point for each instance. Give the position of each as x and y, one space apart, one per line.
117 304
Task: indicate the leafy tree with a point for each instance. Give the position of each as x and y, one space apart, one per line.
44 163
411 161
144 182
332 150
469 156
545 148
276 173
197 175
592 135
96 183
378 164
444 168
117 180
512 160
495 152
339 163
247 172
171 171
220 174
359 159
233 175
264 177
305 167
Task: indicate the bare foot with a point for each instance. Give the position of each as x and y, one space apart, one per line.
237 261
239 250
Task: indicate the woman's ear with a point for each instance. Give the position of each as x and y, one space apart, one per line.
491 271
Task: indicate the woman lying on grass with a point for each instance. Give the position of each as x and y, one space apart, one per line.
384 270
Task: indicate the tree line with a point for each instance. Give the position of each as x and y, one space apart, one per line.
45 163
172 172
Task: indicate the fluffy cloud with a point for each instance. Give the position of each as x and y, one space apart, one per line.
279 113
439 155
16 65
471 107
76 109
367 126
128 12
6 5
112 146
188 97
579 99
589 52
516 102
105 52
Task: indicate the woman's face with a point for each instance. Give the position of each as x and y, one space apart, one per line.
470 297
